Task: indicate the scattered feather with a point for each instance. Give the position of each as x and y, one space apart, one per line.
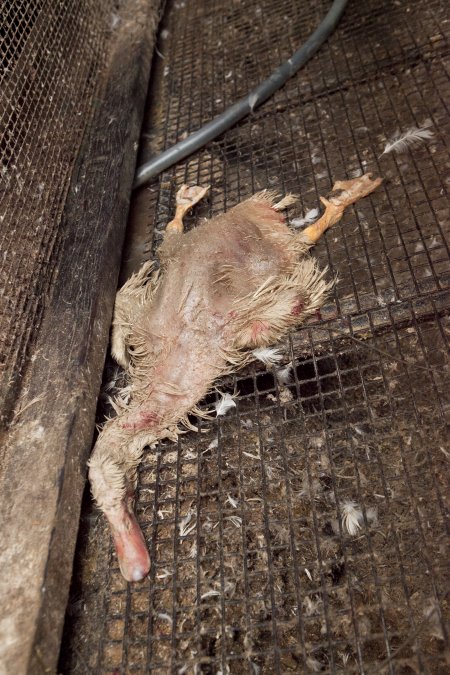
224 405
249 454
232 501
209 594
285 395
344 656
358 430
183 525
214 444
445 452
352 517
309 217
271 472
252 101
189 455
432 615
270 356
115 20
410 138
372 515
226 671
311 605
237 522
284 375
229 587
311 490
313 664
355 173
247 424
165 617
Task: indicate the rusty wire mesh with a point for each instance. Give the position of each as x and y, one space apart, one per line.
255 567
51 59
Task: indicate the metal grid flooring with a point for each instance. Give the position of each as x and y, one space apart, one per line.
254 570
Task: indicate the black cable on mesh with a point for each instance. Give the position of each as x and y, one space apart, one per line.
245 105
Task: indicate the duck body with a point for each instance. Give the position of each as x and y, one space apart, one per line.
234 283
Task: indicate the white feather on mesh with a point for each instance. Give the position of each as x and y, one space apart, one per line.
352 517
268 355
410 138
224 404
284 375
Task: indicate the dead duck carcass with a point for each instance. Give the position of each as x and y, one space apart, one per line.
235 283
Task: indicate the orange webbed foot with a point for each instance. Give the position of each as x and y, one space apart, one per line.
187 197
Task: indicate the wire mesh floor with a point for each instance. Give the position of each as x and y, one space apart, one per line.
306 531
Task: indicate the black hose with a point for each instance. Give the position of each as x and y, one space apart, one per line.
245 105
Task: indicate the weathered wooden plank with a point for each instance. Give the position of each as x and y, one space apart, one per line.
47 446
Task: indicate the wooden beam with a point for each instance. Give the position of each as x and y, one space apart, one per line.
44 468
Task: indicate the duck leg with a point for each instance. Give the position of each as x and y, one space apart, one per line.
345 192
186 198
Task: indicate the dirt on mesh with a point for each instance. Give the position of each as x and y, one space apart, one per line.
249 542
